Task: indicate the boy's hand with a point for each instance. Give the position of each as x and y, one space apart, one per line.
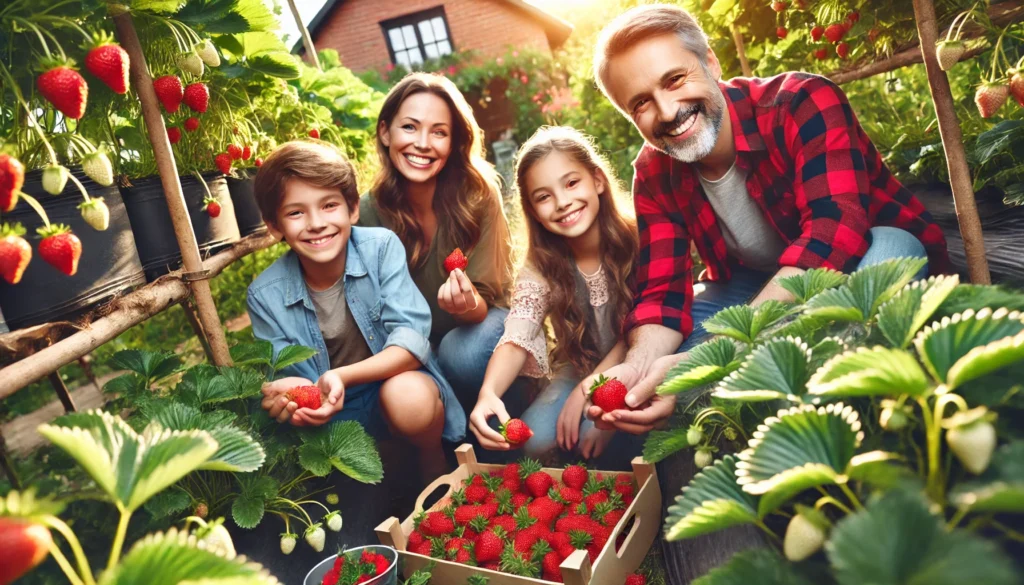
332 390
567 429
275 402
457 295
488 405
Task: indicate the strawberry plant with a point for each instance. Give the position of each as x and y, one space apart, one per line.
873 410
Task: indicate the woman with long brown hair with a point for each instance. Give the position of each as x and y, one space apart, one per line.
577 275
436 191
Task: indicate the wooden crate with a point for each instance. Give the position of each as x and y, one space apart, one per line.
610 567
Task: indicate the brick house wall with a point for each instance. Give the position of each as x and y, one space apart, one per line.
486 26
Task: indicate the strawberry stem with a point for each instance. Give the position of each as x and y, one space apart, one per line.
42 41
122 530
38 208
81 188
65 566
65 22
31 117
76 547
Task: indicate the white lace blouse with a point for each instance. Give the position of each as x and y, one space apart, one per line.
524 325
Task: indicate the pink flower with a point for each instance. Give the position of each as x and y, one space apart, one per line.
452 70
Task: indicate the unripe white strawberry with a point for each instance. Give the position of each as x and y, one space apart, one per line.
694 434
288 543
208 53
316 537
893 416
973 445
97 166
729 433
803 538
191 63
54 179
332 499
702 458
96 214
948 53
333 520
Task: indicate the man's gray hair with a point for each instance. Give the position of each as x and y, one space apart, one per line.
645 22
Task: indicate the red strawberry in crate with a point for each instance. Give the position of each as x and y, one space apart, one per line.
212 208
60 248
608 394
12 177
514 430
834 33
422 548
415 538
108 62
192 124
174 134
537 482
519 499
306 396
65 88
476 494
990 97
223 162
506 522
488 547
624 489
455 260
235 151
314 133
545 509
197 97
575 476
437 524
571 496
550 566
170 93
15 252
25 545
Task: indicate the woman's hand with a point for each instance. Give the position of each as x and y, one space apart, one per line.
594 441
275 402
458 295
332 391
567 429
487 405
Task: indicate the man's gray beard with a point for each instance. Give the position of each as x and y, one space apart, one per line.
697 146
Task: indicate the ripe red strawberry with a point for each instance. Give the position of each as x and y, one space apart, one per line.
212 207
781 32
109 63
612 518
575 476
66 89
197 97
572 496
545 510
60 248
246 152
12 177
465 514
506 522
608 394
15 252
422 548
306 396
258 162
1017 87
514 430
820 54
853 17
594 499
487 547
455 260
174 134
576 522
476 494
223 162
170 93
538 484
192 124
834 33
235 151
437 524
873 34
25 545
816 33
624 489
415 538
635 579
843 50
990 97
550 566
314 133
519 499
779 6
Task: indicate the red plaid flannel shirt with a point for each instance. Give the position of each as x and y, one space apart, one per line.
811 168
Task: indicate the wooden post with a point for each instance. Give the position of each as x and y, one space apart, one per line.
5 463
86 363
191 260
197 327
953 143
741 51
62 391
307 41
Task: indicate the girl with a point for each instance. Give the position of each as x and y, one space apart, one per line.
436 191
577 271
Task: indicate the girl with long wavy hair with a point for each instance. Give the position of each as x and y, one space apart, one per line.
577 276
436 191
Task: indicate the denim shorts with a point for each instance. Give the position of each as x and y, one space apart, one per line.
362 405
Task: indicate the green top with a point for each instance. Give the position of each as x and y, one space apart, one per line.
490 265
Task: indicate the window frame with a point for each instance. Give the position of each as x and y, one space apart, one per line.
414 19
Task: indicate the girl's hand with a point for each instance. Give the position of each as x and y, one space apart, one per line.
332 391
275 402
567 428
457 295
488 405
594 441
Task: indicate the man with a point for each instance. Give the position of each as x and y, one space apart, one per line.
767 177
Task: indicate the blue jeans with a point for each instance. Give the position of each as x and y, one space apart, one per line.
542 416
711 297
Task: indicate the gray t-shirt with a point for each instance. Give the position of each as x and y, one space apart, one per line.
748 235
344 340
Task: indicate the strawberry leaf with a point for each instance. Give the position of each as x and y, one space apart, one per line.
878 371
708 362
971 344
779 369
903 316
763 566
810 283
712 501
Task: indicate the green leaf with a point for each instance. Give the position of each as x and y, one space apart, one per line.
762 566
278 64
825 350
230 384
1000 488
247 511
721 7
980 296
779 369
712 501
129 467
810 283
179 417
865 290
878 371
661 444
708 362
236 451
291 355
256 352
951 343
150 365
173 558
800 448
897 541
344 446
194 384
168 502
743 322
126 385
905 314
156 6
836 304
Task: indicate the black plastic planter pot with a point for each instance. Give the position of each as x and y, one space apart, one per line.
109 263
250 221
151 221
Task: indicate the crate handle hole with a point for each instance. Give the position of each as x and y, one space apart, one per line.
623 538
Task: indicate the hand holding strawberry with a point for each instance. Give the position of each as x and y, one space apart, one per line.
516 431
275 401
332 387
458 295
487 405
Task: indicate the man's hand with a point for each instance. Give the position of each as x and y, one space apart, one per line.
275 402
332 391
654 410
457 295
488 405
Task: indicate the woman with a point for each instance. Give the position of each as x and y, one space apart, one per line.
436 191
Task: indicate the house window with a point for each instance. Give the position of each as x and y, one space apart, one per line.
418 37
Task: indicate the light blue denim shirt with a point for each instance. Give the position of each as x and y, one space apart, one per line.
382 297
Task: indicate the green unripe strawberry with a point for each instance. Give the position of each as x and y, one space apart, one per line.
54 179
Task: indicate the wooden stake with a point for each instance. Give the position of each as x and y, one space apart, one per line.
62 392
5 463
741 51
307 41
197 327
953 143
191 260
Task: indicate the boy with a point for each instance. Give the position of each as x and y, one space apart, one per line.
346 291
